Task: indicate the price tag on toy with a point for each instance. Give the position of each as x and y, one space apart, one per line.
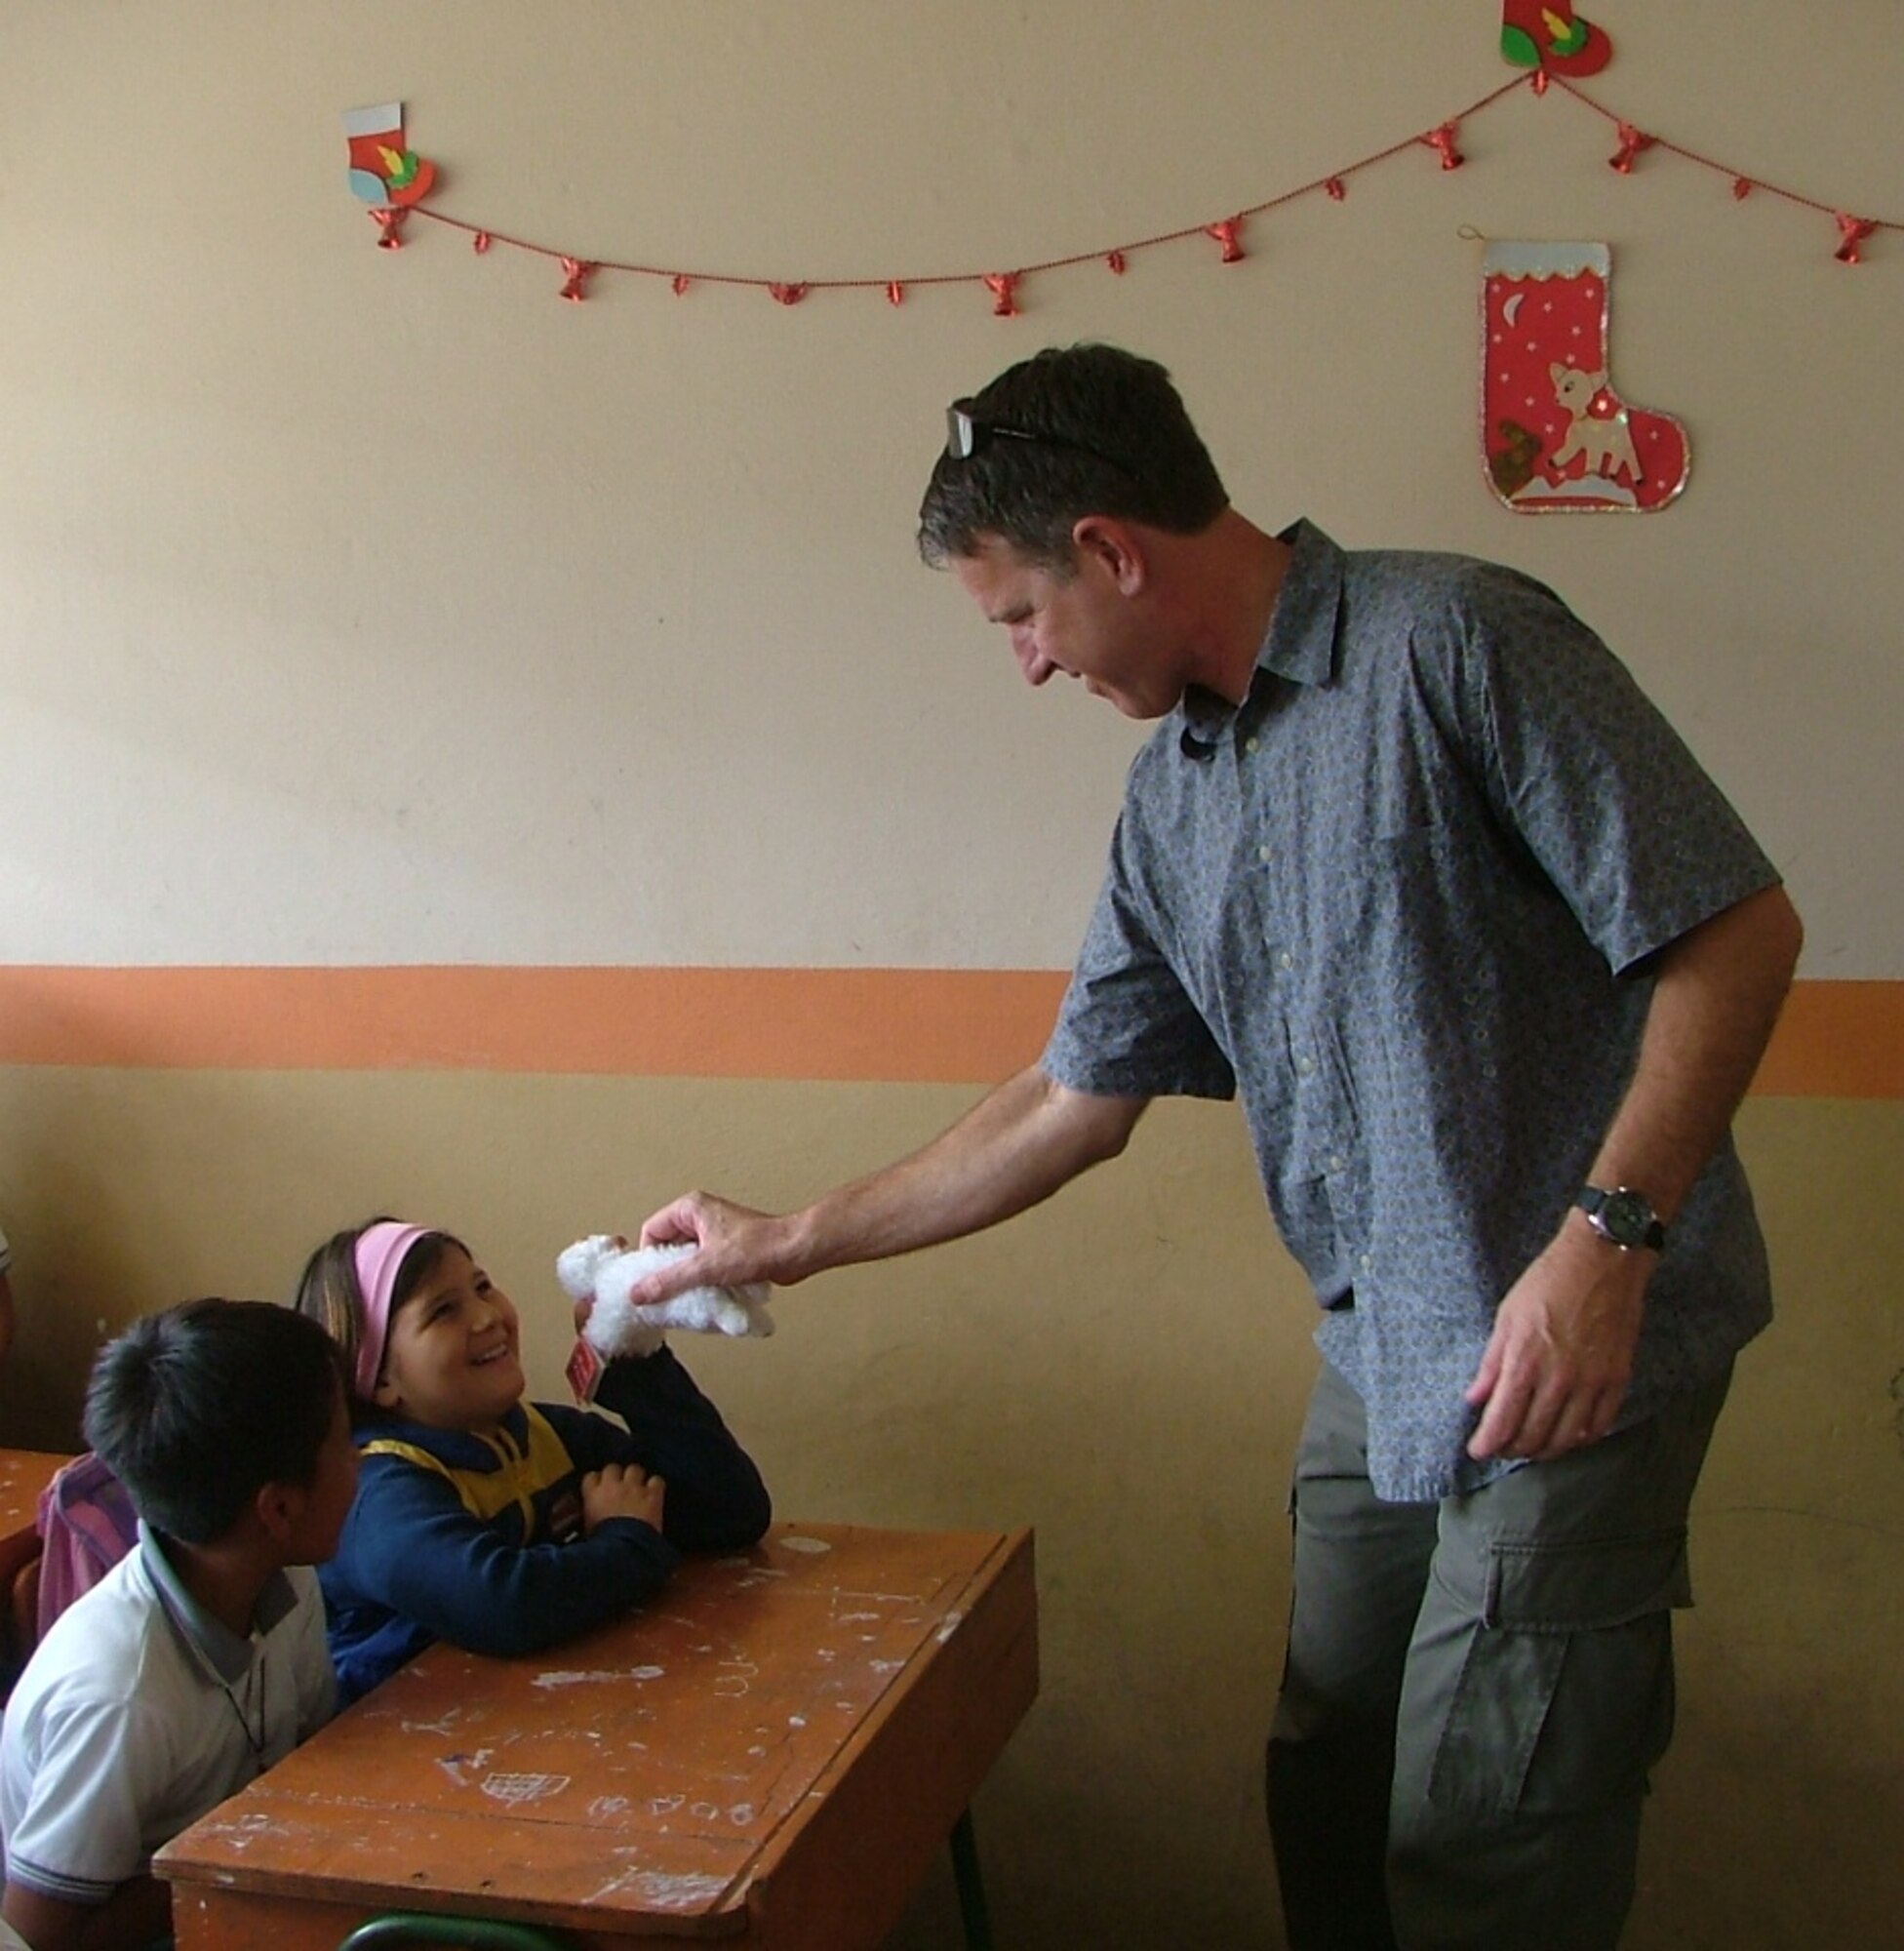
584 1370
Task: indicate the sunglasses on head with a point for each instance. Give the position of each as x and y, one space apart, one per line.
966 435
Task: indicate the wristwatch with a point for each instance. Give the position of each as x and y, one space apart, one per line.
1622 1216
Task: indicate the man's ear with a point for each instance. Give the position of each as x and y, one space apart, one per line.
1116 547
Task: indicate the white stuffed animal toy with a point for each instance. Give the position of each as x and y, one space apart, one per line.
603 1268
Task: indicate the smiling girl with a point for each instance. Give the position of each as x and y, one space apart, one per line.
500 1525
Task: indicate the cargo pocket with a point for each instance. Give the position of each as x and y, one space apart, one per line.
1564 1695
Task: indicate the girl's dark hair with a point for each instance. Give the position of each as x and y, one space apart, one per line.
327 1293
197 1409
1094 430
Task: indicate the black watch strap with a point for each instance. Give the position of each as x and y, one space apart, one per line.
1626 1218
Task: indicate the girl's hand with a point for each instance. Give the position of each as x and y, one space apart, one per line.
621 1491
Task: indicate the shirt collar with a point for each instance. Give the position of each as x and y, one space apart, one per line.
228 1655
1299 643
461 1448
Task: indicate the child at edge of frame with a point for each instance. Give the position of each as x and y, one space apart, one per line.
198 1660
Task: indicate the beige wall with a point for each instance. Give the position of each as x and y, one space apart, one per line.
366 605
365 608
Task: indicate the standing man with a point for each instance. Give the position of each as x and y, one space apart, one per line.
1413 867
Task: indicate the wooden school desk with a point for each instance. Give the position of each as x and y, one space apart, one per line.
769 1755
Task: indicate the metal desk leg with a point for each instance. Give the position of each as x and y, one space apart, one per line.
971 1884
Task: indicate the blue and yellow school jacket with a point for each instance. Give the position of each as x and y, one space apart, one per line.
478 1540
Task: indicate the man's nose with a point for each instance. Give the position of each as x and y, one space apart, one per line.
1036 666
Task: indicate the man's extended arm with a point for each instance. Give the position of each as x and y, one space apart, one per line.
1561 1353
136 1914
1015 1147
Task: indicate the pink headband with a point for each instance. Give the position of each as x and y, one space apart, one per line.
379 1256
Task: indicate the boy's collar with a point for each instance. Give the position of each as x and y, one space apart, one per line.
229 1654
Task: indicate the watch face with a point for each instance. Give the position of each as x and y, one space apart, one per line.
1627 1217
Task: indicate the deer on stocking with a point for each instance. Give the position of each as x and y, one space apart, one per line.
1605 442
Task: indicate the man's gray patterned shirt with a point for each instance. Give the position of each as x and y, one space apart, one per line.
1403 900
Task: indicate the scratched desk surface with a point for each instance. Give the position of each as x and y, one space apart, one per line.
24 1475
775 1721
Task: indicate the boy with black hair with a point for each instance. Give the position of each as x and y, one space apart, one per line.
200 1659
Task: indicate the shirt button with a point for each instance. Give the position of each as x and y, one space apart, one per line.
1305 1065
1250 745
1336 1161
1367 1262
1286 960
1263 855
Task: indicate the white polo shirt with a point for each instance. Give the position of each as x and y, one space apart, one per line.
139 1712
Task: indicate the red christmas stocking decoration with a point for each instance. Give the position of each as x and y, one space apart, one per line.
382 171
1555 435
1549 34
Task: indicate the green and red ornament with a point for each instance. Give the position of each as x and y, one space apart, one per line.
1552 37
384 171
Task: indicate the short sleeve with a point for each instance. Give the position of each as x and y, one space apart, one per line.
81 1835
1623 820
1127 1027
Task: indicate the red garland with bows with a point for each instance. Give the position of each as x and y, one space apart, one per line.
1004 287
1632 145
1855 230
1229 234
1447 139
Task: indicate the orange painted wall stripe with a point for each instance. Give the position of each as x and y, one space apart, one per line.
884 1026
898 1025
1836 1040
